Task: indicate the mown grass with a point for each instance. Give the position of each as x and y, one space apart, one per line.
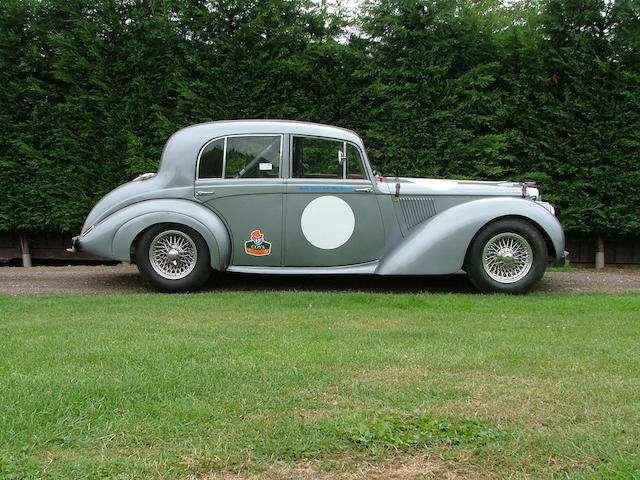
177 386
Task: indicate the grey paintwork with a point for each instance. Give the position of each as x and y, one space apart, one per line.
439 245
114 237
436 245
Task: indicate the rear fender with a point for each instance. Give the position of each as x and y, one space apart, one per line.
439 245
125 225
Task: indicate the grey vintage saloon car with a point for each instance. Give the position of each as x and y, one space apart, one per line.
284 197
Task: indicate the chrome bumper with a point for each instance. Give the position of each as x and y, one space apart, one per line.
75 246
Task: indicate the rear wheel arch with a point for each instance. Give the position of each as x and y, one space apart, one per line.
205 222
213 254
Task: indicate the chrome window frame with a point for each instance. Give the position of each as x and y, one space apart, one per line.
224 155
364 170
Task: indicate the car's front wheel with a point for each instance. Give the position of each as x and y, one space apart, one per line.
506 256
173 258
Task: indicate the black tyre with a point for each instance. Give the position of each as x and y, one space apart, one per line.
173 258
506 256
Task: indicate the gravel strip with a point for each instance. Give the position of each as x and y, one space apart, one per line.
124 279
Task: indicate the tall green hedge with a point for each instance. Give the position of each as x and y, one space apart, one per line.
546 91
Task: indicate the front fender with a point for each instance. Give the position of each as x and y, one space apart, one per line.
439 245
114 236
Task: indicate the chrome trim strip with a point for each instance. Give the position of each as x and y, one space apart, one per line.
360 269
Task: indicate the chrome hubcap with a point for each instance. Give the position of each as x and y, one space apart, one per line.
507 257
173 254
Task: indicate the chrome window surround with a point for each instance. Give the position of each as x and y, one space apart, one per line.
344 149
224 153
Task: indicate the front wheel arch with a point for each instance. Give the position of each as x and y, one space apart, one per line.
551 248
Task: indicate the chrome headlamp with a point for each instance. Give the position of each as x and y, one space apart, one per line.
533 193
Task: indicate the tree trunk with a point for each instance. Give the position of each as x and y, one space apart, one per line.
599 264
24 246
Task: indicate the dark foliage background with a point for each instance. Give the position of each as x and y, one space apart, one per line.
545 90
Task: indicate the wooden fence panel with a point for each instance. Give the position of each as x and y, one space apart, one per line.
50 246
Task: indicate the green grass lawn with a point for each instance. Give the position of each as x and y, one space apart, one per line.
277 385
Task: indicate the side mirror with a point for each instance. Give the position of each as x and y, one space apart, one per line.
342 157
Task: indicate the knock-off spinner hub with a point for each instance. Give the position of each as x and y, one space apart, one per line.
173 256
505 255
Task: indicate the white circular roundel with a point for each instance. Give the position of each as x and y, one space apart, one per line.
327 222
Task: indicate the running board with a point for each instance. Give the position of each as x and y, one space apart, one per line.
360 269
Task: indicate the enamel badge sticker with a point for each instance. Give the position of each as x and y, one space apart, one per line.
257 245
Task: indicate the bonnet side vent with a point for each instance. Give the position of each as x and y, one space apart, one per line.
417 210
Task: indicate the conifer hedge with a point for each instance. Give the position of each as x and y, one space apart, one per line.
546 91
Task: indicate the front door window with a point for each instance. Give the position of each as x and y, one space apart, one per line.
325 158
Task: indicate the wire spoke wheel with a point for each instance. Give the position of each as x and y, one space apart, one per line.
507 257
173 254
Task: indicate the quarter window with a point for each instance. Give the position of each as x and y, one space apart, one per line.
242 157
212 160
325 158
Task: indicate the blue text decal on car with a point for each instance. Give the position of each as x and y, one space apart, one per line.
324 189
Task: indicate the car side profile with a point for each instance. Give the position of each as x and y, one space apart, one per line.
285 197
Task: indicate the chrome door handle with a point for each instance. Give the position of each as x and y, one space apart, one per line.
200 193
363 190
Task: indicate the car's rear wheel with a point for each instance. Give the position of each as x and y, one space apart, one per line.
173 258
506 256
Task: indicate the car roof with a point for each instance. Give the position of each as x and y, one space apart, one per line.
257 126
183 147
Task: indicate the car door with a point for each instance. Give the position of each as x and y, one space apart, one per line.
238 177
332 217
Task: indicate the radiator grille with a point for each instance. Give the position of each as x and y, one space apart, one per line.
417 210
